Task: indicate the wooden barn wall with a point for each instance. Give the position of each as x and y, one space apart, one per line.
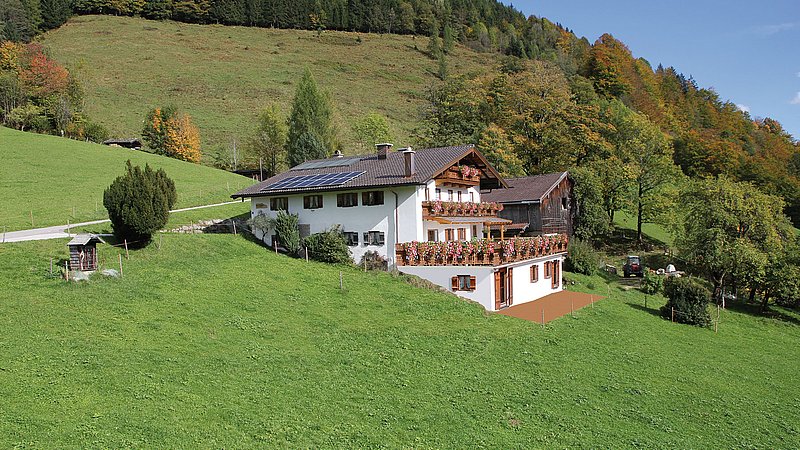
555 218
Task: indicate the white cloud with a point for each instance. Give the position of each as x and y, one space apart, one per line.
768 30
743 108
796 99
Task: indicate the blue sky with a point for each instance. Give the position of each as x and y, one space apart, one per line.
748 51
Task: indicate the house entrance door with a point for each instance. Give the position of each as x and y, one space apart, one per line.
503 288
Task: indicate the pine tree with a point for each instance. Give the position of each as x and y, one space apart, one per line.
434 48
310 123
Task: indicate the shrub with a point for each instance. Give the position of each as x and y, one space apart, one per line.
690 298
374 261
328 246
138 202
581 258
652 283
286 228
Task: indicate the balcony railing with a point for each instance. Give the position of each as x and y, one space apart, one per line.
478 252
462 175
438 208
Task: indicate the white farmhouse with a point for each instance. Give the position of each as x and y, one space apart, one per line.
422 211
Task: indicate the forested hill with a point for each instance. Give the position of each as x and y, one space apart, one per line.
593 84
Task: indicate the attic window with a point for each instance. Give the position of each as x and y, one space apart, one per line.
564 202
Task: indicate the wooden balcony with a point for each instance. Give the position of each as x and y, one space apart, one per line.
456 177
438 208
478 252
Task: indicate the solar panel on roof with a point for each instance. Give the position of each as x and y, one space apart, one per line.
335 162
311 181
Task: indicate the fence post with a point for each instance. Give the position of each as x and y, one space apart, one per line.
591 300
645 301
66 270
159 241
673 313
341 281
716 324
365 264
4 234
234 226
120 265
572 308
306 254
127 254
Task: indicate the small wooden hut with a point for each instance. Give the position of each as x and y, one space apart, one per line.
83 252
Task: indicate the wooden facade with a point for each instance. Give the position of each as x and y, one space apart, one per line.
83 252
550 214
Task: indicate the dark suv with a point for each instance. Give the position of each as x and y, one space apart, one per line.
633 267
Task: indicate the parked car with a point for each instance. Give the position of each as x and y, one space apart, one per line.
633 267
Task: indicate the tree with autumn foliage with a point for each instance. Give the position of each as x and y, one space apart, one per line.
170 133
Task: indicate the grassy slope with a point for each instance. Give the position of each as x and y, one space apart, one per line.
214 341
224 76
51 175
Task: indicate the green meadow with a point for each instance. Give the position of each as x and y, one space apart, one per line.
214 341
224 76
56 180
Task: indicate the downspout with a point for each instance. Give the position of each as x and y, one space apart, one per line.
396 227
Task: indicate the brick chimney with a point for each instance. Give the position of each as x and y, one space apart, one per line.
410 163
383 149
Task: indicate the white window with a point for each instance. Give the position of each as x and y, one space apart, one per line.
374 238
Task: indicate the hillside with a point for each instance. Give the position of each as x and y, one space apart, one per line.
265 351
224 76
49 176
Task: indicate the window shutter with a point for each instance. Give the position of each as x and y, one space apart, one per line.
510 286
473 282
454 283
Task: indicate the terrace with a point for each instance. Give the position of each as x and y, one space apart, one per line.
478 252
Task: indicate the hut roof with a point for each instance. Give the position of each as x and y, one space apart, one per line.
83 239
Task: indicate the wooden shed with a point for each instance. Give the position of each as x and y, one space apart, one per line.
83 252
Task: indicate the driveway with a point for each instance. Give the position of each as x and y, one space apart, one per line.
60 231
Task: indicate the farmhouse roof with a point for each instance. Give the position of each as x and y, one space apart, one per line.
134 142
377 172
83 239
525 189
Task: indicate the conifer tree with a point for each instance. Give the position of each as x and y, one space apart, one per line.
434 47
268 144
138 202
311 132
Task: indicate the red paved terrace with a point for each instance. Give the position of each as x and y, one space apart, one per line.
554 306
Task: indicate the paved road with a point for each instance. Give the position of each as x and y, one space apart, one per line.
60 231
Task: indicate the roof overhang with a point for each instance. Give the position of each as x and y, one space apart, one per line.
281 193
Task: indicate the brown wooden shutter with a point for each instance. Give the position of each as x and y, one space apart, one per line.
510 285
473 283
454 283
497 290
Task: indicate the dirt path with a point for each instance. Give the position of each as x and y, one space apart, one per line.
60 231
554 306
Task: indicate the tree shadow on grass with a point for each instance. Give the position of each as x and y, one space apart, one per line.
772 312
654 311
